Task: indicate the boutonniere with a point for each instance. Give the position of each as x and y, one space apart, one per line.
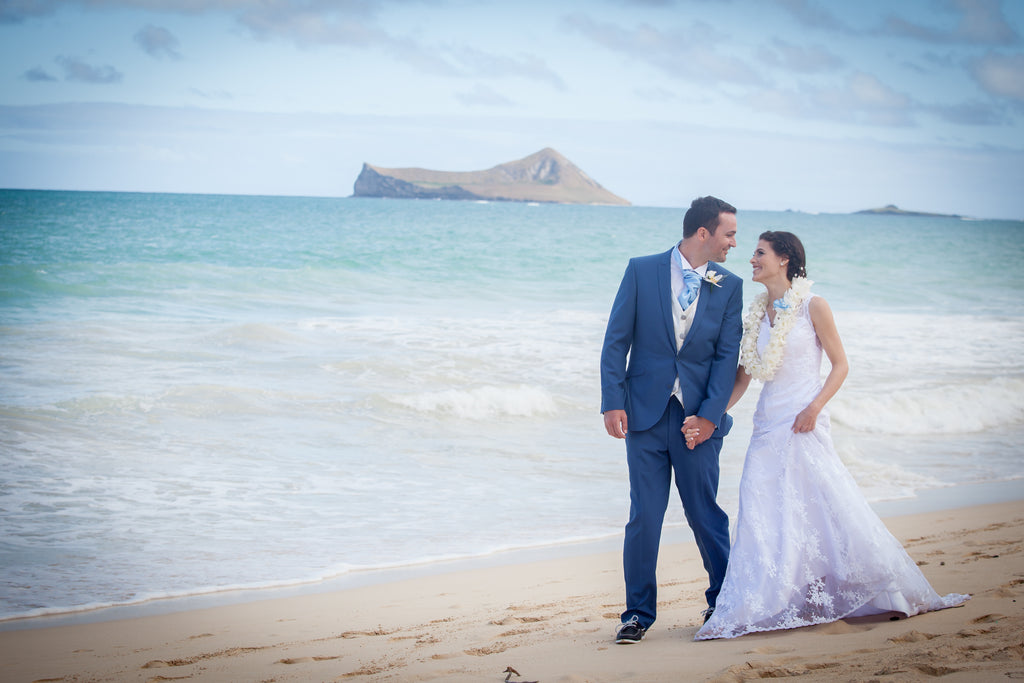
713 277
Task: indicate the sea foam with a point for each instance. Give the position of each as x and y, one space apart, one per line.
962 407
485 402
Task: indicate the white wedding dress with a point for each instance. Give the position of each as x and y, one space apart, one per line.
807 547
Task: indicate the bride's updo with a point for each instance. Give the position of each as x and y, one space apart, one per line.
788 246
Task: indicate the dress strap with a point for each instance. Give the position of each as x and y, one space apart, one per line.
806 309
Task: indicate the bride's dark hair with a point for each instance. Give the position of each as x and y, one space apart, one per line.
788 245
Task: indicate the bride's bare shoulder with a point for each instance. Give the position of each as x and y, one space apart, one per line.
820 311
818 302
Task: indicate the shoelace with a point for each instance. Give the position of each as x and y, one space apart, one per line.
633 621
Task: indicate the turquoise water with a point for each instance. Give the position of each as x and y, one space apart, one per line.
200 392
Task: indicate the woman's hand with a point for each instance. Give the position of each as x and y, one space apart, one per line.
807 420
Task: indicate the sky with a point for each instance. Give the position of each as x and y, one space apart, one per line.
811 105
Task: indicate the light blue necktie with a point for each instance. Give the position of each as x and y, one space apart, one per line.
691 282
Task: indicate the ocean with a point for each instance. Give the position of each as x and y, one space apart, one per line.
201 393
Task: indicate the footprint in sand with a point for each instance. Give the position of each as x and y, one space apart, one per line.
987 619
840 628
306 660
936 670
157 664
516 632
230 652
493 649
769 650
518 620
912 637
379 631
366 670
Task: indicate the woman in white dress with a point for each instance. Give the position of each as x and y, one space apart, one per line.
807 547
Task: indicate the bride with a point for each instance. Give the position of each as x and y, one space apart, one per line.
807 547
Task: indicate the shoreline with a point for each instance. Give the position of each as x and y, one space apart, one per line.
553 620
925 501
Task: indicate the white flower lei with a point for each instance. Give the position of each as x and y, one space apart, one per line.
764 367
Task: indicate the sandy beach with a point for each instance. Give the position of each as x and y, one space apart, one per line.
553 620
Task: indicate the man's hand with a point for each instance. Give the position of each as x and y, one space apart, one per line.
697 430
615 423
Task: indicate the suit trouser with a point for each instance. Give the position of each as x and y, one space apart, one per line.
652 455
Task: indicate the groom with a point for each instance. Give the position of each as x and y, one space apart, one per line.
678 322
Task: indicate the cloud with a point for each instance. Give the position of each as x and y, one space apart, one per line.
348 24
211 95
798 58
812 15
309 23
983 22
157 42
315 22
485 65
687 55
861 99
485 96
969 114
17 11
420 58
322 23
870 93
1000 75
37 74
980 22
77 70
306 22
655 94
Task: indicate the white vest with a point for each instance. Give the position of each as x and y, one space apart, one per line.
682 320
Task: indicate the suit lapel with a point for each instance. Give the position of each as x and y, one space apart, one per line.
665 289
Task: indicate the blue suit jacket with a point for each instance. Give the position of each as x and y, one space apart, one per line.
640 328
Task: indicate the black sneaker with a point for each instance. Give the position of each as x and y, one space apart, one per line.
630 632
707 613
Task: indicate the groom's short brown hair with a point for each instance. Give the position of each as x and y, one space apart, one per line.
704 212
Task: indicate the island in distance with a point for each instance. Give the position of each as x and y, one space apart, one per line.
546 176
893 210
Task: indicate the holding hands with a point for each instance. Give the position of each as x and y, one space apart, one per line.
697 430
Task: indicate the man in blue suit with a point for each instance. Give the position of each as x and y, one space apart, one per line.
670 353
